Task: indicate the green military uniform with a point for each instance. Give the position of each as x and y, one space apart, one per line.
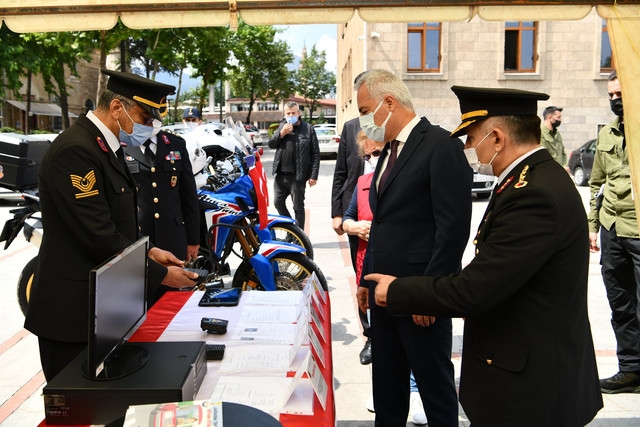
552 141
611 167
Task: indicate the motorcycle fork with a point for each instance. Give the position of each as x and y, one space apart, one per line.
249 244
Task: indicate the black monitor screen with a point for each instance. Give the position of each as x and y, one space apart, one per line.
117 307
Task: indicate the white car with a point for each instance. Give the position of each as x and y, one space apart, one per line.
328 140
483 185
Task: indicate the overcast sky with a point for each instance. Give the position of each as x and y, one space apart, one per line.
323 36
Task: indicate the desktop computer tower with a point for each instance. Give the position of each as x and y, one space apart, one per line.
173 373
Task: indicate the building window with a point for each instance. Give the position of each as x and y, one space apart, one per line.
520 46
607 63
423 47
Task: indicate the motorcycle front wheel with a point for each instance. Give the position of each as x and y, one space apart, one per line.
291 233
25 281
289 273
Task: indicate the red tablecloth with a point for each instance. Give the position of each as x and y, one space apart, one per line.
163 312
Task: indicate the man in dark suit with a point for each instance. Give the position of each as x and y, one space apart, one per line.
88 201
528 357
421 219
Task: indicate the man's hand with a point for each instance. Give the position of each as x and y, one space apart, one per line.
179 278
423 320
593 242
382 287
360 228
363 298
163 257
312 182
336 224
286 130
192 252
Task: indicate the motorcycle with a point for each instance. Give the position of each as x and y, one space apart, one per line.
233 203
213 144
27 218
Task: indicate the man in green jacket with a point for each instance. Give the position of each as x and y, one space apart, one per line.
550 138
620 259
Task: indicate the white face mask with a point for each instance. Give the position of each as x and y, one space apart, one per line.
369 127
472 157
192 125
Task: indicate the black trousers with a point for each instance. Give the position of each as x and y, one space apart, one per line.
620 260
399 346
55 355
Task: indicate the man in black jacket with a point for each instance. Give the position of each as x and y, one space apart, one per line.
297 160
88 201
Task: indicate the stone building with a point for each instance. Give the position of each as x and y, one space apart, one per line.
569 60
45 113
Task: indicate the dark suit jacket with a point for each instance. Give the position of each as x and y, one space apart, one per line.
88 203
528 357
349 166
421 218
168 212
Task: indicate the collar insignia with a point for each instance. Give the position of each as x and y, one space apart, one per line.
85 184
503 186
101 144
166 140
521 182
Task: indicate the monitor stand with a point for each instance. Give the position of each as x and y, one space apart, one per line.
124 361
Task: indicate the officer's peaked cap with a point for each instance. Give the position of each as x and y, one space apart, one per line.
480 103
149 94
191 112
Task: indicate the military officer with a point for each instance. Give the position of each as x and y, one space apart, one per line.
88 201
528 356
167 198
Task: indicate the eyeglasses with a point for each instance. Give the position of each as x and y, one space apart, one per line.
374 153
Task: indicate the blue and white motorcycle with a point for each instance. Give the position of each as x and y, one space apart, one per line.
273 251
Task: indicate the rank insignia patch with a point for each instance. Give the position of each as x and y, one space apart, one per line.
85 184
521 182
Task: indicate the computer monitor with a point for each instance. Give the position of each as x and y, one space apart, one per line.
117 307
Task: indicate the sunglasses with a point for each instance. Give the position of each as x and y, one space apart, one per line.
374 153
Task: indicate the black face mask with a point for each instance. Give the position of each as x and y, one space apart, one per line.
555 125
616 106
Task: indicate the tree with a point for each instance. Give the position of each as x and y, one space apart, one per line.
313 81
261 69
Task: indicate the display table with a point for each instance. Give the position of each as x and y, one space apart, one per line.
176 317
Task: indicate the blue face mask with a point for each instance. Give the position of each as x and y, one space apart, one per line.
139 135
291 119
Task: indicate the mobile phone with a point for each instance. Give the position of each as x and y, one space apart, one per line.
216 297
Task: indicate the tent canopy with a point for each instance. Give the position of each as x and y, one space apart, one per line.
40 108
67 15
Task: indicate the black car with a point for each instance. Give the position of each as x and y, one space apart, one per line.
581 162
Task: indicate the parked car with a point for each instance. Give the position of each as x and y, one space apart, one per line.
254 134
482 185
581 162
328 140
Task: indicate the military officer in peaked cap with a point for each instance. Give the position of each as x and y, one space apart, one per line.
88 201
528 356
167 195
191 117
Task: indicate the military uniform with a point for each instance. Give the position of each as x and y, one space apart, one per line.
88 202
167 199
552 141
528 357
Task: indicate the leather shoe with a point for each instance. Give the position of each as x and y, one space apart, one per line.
365 354
622 382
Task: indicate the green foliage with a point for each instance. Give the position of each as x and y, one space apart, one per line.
312 80
8 129
261 70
